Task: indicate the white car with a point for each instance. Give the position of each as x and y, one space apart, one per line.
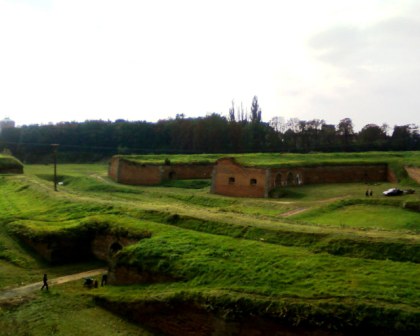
393 192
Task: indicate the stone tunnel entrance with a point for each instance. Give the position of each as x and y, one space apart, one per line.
114 248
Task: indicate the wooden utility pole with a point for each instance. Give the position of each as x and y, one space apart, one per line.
55 147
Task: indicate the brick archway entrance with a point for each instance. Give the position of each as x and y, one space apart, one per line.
114 248
278 181
290 179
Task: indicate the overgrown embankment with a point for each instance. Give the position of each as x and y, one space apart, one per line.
219 278
225 273
350 244
76 240
209 312
10 165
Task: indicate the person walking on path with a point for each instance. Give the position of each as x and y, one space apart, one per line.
45 282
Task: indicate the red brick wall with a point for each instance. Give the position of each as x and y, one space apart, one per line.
241 187
42 248
281 177
113 168
101 245
187 172
342 174
269 178
128 172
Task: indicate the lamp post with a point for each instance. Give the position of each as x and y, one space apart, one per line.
54 148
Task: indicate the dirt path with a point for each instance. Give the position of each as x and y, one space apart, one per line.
333 199
414 173
302 209
293 212
25 290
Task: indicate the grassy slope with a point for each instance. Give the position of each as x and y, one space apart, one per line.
65 310
366 216
216 265
287 159
7 161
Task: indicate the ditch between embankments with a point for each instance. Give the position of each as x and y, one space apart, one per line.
232 313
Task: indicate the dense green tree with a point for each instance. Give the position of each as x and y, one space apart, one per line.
405 137
255 127
372 137
345 132
237 133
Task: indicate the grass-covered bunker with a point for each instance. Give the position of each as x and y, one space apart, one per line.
137 170
234 179
263 174
10 165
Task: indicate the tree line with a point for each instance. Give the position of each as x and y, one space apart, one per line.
238 132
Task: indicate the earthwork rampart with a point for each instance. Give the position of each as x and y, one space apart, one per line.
232 179
136 173
58 249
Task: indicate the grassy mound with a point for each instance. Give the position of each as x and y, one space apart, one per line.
234 258
321 288
10 164
283 159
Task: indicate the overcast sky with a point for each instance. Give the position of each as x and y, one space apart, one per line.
79 60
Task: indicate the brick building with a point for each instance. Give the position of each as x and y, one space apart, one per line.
232 179
125 171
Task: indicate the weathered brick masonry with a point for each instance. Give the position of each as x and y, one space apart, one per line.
134 173
61 249
232 179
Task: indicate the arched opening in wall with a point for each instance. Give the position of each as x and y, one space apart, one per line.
172 175
253 181
231 180
277 182
290 179
114 248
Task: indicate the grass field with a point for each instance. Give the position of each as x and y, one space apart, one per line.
321 252
286 159
366 216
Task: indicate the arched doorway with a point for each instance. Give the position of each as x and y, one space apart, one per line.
277 182
172 175
290 179
114 248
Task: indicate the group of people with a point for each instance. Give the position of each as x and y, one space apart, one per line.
89 282
104 280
